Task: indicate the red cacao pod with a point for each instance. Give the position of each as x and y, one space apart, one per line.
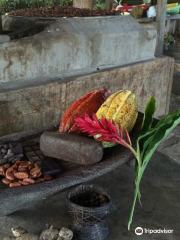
88 103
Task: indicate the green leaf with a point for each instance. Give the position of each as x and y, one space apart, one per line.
148 115
167 125
148 141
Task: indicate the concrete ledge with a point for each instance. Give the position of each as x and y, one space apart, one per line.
25 108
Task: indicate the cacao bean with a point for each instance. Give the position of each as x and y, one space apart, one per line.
17 162
2 170
14 184
21 175
25 165
30 168
14 166
10 176
29 180
9 170
24 183
22 169
35 171
6 181
39 175
7 165
21 162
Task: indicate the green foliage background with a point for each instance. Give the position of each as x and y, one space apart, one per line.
9 5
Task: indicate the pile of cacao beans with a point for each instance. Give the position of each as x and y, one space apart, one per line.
22 173
58 11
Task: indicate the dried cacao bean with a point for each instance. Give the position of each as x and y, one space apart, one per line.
10 176
7 165
25 165
9 170
15 166
17 162
24 183
6 181
14 184
21 175
2 170
22 169
35 171
29 180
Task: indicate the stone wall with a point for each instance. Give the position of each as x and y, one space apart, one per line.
34 104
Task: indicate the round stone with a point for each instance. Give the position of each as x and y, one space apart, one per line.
3 161
3 150
6 146
9 151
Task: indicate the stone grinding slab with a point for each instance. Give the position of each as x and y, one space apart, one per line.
14 199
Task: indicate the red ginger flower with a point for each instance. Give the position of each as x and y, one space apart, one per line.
106 129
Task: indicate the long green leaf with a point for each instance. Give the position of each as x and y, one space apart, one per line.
148 115
161 133
148 141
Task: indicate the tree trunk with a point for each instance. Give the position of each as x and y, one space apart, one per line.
1 28
84 3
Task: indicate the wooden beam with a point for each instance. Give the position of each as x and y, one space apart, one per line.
161 20
109 4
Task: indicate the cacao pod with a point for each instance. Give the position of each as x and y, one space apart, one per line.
120 107
88 104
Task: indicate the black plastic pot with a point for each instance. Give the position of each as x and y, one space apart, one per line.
89 223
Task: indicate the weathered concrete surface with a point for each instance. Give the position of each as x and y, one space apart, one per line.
75 44
31 105
4 39
160 204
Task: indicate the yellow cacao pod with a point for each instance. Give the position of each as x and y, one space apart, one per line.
120 107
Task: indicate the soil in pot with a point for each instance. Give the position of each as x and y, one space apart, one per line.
90 199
